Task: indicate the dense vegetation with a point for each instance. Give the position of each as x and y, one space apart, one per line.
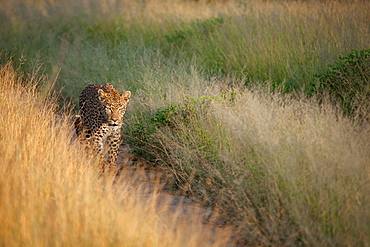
236 98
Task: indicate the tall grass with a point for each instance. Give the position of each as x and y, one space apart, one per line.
284 170
51 194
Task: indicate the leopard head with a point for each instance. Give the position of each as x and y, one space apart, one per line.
114 104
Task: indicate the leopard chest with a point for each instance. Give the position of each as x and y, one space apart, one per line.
109 131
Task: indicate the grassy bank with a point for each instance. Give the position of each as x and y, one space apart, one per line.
284 169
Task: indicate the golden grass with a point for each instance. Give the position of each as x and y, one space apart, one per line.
51 194
128 10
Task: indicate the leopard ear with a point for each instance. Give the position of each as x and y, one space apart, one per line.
126 95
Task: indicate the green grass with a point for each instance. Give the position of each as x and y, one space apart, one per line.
281 44
282 168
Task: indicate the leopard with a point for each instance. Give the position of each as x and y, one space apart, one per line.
99 122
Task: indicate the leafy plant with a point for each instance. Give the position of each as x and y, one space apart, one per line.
141 135
349 81
163 116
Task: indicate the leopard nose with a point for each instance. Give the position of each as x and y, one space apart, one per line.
114 119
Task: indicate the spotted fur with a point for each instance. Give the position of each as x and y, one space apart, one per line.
101 117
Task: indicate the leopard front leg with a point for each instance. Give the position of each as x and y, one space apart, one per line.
98 146
114 141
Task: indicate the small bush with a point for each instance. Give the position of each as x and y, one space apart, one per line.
142 135
348 81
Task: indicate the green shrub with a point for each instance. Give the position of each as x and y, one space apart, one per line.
173 118
348 81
